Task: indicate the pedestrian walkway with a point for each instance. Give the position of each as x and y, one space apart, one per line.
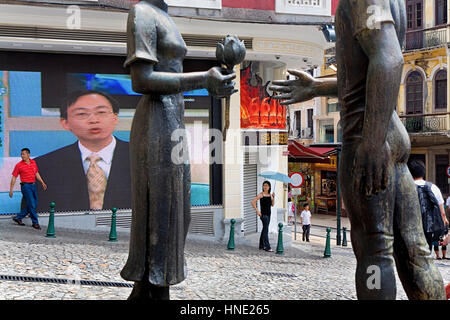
214 272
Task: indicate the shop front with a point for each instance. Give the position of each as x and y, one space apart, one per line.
327 189
318 165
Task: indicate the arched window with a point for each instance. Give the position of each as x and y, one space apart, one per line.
440 86
414 93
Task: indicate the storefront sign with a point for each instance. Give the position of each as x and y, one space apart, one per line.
264 138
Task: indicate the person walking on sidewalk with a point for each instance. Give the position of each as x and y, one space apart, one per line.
306 222
28 171
266 201
417 169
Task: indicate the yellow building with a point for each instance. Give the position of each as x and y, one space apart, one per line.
423 98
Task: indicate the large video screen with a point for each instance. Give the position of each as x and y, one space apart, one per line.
31 93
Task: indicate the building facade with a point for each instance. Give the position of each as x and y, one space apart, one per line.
423 104
314 124
46 48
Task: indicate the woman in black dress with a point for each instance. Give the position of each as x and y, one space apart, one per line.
266 201
160 172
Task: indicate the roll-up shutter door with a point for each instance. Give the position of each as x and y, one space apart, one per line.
250 191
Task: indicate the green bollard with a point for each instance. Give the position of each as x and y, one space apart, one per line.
280 248
327 252
344 239
231 239
51 222
112 233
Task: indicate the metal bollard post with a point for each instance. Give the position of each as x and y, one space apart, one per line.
51 222
112 233
280 248
231 239
327 252
344 239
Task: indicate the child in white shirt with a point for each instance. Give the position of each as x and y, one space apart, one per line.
306 221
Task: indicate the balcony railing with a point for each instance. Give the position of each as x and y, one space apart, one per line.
426 123
426 38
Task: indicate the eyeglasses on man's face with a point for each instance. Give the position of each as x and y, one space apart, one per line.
83 114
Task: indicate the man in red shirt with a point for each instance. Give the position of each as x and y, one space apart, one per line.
28 171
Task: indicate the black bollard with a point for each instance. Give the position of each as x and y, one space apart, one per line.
344 239
327 252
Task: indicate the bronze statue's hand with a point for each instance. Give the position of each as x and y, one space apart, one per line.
218 82
297 90
370 167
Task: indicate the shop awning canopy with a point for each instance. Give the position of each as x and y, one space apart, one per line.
298 152
324 151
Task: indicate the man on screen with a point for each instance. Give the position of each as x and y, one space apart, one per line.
94 172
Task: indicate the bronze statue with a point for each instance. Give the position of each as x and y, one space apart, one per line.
160 186
377 187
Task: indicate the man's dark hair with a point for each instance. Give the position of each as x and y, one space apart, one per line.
305 205
74 96
25 149
417 169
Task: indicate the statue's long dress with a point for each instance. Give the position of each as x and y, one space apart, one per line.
160 187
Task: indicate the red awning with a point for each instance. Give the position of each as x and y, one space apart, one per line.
300 153
324 151
296 150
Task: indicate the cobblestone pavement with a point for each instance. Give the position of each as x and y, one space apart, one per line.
213 271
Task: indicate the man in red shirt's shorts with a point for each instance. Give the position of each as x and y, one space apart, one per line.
28 171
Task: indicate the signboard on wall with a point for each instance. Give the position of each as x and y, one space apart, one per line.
264 138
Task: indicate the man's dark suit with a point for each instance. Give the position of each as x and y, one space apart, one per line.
62 171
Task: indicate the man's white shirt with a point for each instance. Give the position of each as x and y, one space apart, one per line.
106 155
437 193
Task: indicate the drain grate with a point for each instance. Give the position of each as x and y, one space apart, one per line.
66 281
73 281
279 274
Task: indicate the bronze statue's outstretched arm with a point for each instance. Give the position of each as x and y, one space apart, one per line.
382 48
304 88
145 80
